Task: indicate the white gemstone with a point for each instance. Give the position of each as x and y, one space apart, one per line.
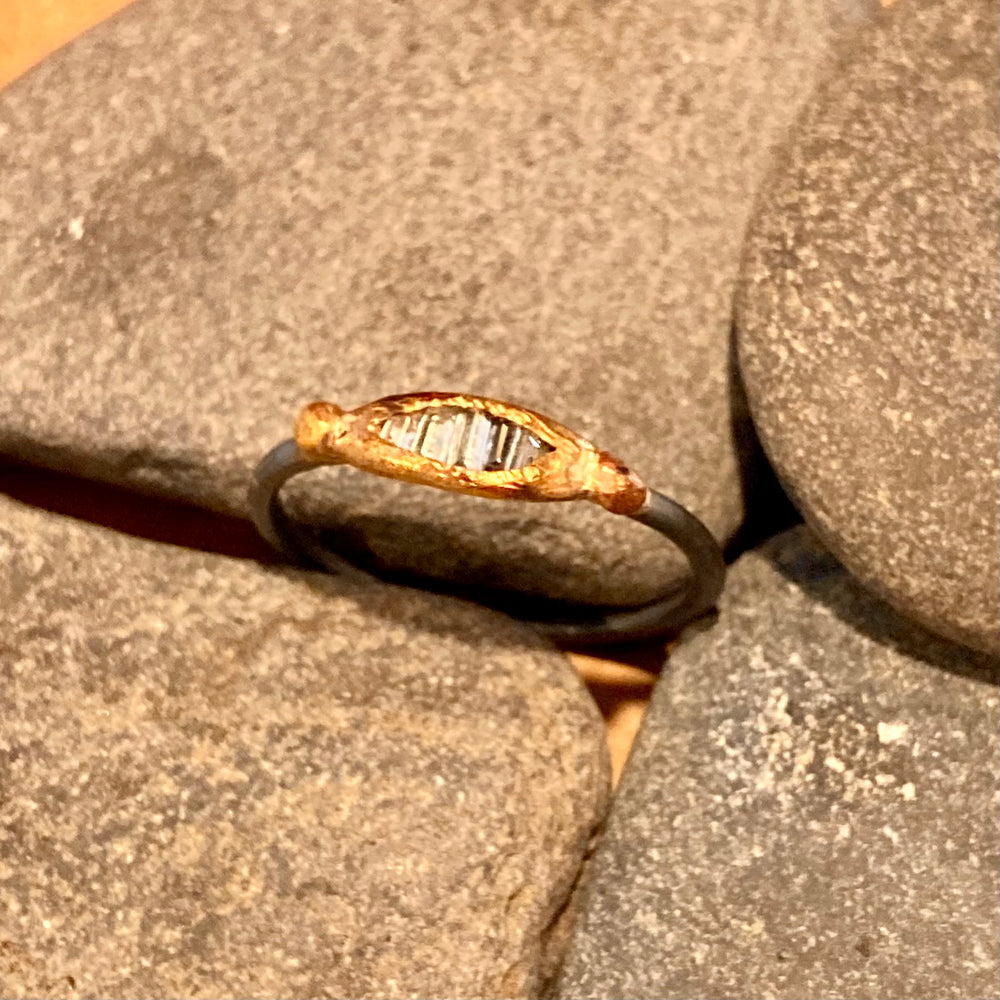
478 442
393 428
510 446
437 438
409 428
528 448
459 426
495 461
474 440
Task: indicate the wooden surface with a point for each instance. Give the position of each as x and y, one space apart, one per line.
31 29
619 680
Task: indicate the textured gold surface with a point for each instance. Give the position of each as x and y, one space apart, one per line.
573 470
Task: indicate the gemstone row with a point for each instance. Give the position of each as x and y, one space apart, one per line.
471 439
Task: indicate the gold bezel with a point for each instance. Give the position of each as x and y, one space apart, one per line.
574 469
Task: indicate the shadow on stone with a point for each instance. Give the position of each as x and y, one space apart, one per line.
130 512
171 522
381 601
821 575
767 508
349 542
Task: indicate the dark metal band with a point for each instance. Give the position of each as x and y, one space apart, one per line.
561 620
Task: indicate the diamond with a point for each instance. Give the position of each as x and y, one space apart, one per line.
476 441
495 460
512 445
436 441
528 449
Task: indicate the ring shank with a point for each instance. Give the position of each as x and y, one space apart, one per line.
577 623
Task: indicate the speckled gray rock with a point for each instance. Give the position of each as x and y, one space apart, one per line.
540 202
810 809
868 329
218 780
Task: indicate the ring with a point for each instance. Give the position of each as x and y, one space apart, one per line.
488 448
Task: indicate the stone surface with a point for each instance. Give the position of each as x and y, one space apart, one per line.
220 780
868 323
810 809
213 213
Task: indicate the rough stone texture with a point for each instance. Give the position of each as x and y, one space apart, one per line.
216 212
219 780
810 809
868 330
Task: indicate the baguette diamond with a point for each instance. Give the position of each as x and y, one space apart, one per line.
476 440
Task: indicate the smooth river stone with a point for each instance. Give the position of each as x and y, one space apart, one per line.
222 780
868 326
810 809
213 213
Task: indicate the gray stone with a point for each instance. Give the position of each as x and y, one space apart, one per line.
810 809
868 322
222 780
538 202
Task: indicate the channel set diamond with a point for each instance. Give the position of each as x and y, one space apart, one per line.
473 440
